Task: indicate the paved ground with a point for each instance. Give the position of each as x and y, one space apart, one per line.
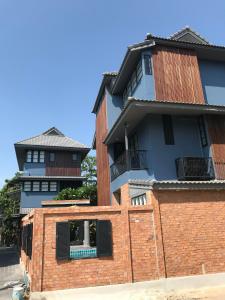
131 292
10 270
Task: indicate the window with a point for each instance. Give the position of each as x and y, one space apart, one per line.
168 129
53 186
75 156
27 186
132 84
148 64
35 156
29 156
40 186
202 131
83 239
52 156
41 156
44 186
139 200
36 186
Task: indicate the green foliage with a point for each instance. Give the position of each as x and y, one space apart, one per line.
88 169
83 192
9 206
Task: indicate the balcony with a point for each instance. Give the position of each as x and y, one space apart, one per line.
194 168
130 160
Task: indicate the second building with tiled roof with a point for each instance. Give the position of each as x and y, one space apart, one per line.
48 163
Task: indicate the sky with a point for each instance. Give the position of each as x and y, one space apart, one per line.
53 54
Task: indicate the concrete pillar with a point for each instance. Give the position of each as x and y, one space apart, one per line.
86 242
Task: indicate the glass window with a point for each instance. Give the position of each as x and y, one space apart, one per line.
53 186
42 157
129 90
139 71
148 65
36 186
35 156
75 156
29 156
27 186
44 186
52 156
133 82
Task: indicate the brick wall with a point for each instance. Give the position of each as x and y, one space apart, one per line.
193 230
47 273
177 233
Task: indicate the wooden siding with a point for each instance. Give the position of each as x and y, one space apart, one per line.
103 174
63 165
216 129
177 75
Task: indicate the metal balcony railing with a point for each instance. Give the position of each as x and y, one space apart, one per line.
130 160
195 168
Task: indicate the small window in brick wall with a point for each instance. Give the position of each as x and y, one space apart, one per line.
139 200
83 239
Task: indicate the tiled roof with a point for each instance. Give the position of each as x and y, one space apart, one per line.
52 138
187 30
175 184
24 177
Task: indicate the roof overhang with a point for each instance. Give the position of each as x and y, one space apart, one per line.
107 77
56 178
178 185
136 109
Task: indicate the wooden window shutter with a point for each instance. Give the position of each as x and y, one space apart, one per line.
29 239
62 240
24 239
104 238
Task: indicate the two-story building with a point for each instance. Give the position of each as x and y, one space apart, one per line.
49 163
160 120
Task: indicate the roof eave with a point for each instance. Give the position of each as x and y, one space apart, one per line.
162 105
26 146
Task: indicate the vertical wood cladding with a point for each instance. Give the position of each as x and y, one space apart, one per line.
216 129
63 165
177 76
102 156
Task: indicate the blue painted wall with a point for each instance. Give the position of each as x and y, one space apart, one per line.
213 81
145 89
161 157
35 169
33 199
114 108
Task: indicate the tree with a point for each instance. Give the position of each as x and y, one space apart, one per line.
9 206
83 192
88 169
